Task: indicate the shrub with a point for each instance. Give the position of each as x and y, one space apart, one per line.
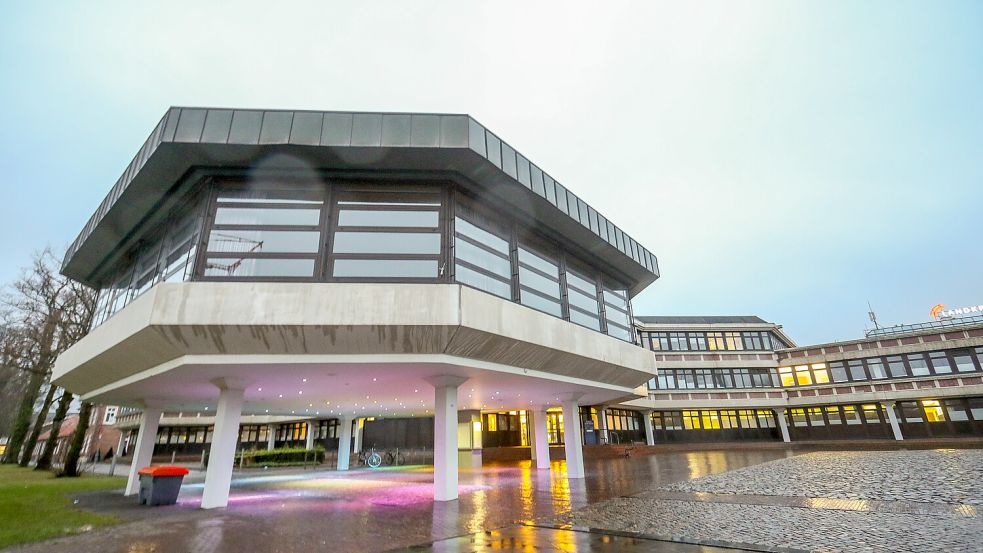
284 455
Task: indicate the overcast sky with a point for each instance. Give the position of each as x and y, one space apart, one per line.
789 160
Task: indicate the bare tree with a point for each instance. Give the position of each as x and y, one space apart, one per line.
78 440
44 460
39 419
46 314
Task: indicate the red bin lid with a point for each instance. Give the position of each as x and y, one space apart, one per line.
163 470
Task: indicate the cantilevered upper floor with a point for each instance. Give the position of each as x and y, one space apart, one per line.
301 196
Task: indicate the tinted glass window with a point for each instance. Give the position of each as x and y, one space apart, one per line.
267 216
263 241
382 242
385 268
363 218
252 267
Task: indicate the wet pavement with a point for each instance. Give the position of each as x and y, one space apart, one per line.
539 539
393 508
831 501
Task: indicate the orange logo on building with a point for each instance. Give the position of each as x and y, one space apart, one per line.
937 310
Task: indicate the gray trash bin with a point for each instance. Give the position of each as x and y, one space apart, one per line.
160 485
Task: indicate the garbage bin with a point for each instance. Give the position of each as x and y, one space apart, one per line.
159 485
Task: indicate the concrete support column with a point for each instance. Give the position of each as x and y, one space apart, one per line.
602 425
310 435
573 442
359 424
344 442
649 431
541 440
782 424
270 437
531 435
221 457
445 436
144 449
892 417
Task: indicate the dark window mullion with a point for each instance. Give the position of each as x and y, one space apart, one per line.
540 294
262 255
314 204
208 222
380 229
483 247
483 271
538 272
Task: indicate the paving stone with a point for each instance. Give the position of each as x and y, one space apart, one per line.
823 501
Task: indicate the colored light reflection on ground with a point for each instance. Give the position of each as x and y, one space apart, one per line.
391 486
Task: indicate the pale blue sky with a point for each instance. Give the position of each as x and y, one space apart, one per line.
790 160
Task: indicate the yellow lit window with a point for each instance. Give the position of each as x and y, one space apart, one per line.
786 375
710 420
691 420
492 423
933 411
802 376
820 373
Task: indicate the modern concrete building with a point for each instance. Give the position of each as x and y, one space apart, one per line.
335 266
741 378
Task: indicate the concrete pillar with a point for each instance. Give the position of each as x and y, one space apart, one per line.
892 417
116 454
344 442
359 425
531 435
782 424
270 437
144 450
573 442
649 431
445 436
221 458
541 441
310 435
602 425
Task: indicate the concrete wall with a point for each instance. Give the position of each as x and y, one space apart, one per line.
209 318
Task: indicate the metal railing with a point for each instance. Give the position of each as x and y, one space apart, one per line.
944 324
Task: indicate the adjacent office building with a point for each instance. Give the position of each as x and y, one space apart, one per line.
741 378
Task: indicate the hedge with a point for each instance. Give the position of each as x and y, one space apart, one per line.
284 455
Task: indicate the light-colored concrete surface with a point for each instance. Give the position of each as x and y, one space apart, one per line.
175 320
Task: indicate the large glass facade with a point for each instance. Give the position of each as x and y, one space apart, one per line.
363 232
167 255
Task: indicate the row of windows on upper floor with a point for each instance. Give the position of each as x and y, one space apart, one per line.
935 363
711 341
362 233
920 411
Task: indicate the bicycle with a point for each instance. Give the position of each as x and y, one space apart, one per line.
374 459
370 458
394 457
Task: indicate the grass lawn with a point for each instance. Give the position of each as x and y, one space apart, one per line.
34 505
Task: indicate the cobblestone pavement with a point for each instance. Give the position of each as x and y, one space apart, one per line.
823 501
952 476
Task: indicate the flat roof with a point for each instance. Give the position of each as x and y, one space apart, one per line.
187 138
701 320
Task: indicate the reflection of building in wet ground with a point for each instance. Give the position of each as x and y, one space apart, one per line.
924 500
376 510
